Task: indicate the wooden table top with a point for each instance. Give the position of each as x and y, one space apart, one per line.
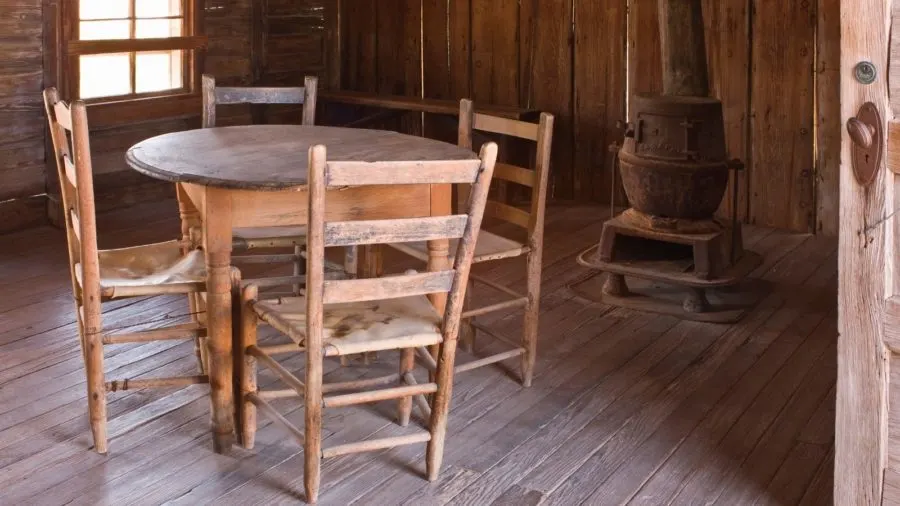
272 157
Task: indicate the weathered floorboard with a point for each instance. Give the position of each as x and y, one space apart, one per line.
626 406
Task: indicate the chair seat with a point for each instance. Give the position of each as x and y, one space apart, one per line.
359 327
488 247
258 237
149 269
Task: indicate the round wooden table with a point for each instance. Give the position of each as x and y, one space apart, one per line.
255 176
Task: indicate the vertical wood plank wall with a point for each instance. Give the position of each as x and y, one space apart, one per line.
576 59
21 113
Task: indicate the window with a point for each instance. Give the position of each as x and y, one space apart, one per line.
128 49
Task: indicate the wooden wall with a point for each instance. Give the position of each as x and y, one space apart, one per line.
21 114
577 58
772 63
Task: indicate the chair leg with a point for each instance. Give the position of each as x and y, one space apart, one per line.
312 446
440 408
532 312
299 267
96 386
404 404
467 330
248 325
194 302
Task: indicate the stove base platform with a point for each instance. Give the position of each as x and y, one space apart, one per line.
726 304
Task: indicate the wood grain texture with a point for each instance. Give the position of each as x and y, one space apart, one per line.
359 50
828 114
599 101
495 51
167 458
272 156
552 86
728 53
866 259
399 54
782 116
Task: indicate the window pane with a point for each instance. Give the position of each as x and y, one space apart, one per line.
157 8
158 28
104 9
105 75
104 30
158 71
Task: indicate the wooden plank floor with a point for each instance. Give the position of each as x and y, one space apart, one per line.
626 408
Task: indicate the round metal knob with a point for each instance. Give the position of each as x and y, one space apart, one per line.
861 134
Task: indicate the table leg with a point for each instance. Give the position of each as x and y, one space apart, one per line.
371 262
217 242
439 251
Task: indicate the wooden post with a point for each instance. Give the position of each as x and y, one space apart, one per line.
864 276
683 48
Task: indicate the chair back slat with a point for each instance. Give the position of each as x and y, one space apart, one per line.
63 115
389 287
515 174
537 179
352 233
507 213
259 95
415 172
69 171
506 126
76 224
232 95
320 234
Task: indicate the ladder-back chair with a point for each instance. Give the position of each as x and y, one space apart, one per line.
246 240
344 317
492 247
173 267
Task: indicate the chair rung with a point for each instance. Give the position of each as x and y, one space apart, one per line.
272 413
276 281
186 331
281 349
268 242
286 393
499 357
149 290
495 286
134 384
494 307
264 259
284 374
375 444
419 400
358 384
336 401
428 361
330 387
383 345
495 335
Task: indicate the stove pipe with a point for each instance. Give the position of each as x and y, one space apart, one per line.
683 47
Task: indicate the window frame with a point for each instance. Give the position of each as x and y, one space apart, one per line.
157 103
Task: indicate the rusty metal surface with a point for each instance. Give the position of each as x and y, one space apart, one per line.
674 161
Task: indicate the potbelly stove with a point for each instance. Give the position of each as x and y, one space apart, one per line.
675 171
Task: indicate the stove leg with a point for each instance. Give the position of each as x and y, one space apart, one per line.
695 301
615 285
